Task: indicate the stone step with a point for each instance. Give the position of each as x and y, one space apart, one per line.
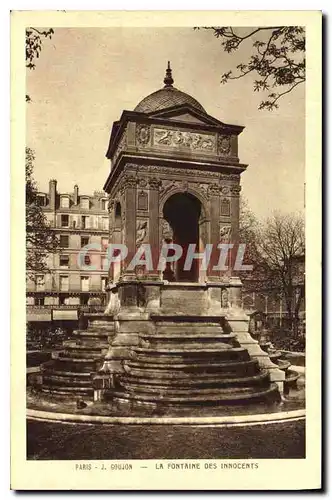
55 380
183 335
65 358
68 391
196 381
218 399
190 345
189 356
88 355
94 332
62 373
70 365
166 327
170 391
176 370
85 345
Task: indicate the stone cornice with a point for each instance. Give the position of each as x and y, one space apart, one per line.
205 166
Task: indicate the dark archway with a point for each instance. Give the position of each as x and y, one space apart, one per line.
182 211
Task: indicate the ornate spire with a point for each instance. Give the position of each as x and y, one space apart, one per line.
168 80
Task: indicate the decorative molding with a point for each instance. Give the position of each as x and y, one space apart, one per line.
224 145
235 190
129 181
142 182
155 183
142 135
229 177
213 190
121 146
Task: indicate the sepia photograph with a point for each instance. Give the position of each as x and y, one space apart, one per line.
166 258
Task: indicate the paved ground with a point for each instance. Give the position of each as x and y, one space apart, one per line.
58 441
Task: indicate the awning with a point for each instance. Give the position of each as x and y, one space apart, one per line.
39 316
64 314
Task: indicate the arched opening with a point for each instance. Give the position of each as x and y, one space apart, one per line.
182 211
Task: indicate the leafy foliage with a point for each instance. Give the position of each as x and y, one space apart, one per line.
274 248
33 46
278 58
40 238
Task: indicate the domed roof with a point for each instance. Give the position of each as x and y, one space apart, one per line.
167 97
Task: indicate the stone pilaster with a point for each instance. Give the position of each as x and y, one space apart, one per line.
235 215
213 275
130 185
154 185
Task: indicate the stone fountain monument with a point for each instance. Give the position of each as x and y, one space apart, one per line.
171 335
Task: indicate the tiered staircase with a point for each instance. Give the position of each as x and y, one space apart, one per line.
190 360
69 371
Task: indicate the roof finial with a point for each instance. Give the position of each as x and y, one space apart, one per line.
168 80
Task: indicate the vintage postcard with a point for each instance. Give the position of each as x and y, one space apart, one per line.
166 311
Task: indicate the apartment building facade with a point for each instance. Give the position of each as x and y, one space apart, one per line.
78 270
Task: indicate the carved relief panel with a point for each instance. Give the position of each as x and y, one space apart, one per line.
141 231
199 142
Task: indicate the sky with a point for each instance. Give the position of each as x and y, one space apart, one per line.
85 77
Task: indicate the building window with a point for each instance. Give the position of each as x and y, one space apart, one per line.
84 241
85 283
84 221
64 241
64 202
87 260
103 204
41 200
84 203
105 223
64 220
104 244
40 283
64 283
39 301
105 264
103 283
62 300
64 261
84 299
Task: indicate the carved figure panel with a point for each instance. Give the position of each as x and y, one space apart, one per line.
141 231
225 233
166 230
190 140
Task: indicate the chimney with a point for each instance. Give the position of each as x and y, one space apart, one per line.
52 193
76 194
